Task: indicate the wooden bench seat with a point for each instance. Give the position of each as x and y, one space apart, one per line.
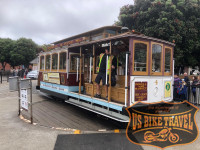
117 92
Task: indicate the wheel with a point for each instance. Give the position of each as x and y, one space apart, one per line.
149 136
173 138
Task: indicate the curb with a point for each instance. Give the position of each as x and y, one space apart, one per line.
74 131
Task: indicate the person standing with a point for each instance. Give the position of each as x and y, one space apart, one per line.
194 84
176 85
187 81
101 69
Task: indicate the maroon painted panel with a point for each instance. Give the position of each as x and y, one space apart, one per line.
40 77
71 81
140 91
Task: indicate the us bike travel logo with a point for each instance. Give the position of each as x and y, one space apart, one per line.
162 124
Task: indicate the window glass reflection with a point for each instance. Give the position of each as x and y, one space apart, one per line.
156 58
140 57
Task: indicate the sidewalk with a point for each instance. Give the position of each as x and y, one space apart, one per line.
15 133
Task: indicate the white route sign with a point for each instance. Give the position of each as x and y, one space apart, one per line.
24 98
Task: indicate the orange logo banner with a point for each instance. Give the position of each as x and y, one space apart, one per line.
162 124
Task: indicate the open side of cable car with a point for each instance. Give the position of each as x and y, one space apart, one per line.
145 72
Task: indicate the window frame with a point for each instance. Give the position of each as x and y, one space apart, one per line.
42 69
62 70
49 63
171 60
147 58
52 62
161 60
78 54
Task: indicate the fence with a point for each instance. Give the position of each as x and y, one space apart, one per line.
4 76
192 94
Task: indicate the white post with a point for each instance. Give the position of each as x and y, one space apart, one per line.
58 66
67 61
50 61
77 69
106 70
173 78
126 74
90 69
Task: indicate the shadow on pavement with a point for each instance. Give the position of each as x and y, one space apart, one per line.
105 141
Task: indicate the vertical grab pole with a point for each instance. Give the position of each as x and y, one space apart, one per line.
80 70
106 70
109 90
31 102
18 95
94 67
77 68
126 87
68 65
90 69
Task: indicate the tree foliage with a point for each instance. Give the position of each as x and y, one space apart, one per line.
177 20
19 52
6 46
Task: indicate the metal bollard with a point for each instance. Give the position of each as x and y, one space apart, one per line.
1 77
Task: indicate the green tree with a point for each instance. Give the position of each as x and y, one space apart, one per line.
23 52
177 20
6 46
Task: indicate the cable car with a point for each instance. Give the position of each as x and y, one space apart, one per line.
144 72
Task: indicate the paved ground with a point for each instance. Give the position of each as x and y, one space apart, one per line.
50 112
17 134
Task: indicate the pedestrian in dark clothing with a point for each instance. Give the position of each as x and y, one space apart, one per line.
194 84
186 79
182 90
176 85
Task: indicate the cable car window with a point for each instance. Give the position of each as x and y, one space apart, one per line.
167 60
48 60
62 61
73 62
140 57
42 62
55 61
156 57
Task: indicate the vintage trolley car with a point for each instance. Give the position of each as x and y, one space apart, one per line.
145 73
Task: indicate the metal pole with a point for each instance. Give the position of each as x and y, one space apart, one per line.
126 88
80 79
18 95
31 102
77 69
94 68
1 77
106 70
67 65
110 59
90 69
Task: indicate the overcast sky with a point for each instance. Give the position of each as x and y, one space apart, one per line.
46 21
